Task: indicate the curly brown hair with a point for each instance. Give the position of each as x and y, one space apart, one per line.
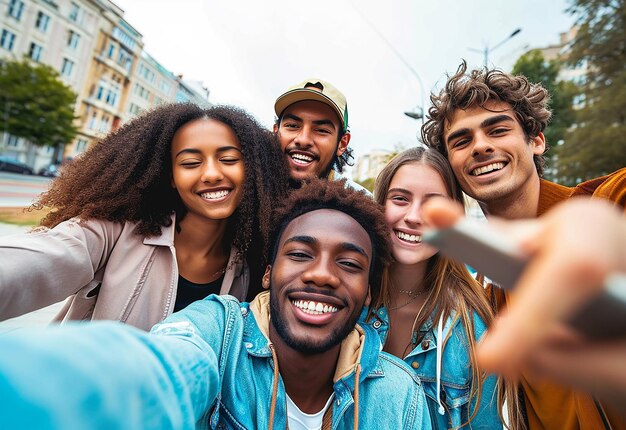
323 194
465 90
127 178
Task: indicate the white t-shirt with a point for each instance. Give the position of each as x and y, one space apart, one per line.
298 420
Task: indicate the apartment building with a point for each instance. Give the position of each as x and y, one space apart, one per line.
152 85
58 33
189 91
112 64
100 56
369 165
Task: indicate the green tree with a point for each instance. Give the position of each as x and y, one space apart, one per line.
562 93
596 146
38 106
367 183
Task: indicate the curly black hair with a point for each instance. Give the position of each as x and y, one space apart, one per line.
127 177
323 194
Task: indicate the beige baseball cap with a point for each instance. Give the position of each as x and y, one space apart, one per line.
318 90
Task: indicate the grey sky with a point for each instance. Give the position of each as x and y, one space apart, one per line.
248 52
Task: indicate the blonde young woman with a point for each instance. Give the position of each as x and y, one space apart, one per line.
431 312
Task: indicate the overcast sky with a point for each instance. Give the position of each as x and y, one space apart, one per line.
247 52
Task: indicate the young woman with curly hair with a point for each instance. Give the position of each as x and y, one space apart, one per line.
431 311
172 207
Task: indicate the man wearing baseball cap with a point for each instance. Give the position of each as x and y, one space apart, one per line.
312 129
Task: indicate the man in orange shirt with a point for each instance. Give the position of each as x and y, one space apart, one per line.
490 125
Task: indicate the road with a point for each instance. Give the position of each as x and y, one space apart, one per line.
19 191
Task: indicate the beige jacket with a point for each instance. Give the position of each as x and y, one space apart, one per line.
109 272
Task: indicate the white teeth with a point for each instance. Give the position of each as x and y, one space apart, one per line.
314 308
301 158
408 237
215 194
488 168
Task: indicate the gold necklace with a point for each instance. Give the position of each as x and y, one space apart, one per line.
412 296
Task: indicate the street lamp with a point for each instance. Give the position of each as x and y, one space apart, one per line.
486 50
417 113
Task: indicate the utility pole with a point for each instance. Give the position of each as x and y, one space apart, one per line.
487 49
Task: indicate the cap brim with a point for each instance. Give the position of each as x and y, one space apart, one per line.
302 94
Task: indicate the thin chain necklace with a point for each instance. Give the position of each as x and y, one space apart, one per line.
412 296
219 272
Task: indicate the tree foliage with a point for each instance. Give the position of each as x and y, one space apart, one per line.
367 183
596 146
36 105
533 65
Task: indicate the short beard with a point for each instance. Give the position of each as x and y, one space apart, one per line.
329 167
301 345
295 184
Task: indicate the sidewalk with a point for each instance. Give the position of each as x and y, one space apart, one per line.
38 318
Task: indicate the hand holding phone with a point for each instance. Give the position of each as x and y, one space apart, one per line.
492 255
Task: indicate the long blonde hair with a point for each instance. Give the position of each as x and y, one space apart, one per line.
450 287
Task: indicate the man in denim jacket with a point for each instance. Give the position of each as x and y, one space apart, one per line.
216 363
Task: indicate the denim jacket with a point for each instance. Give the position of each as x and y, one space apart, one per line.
455 375
209 366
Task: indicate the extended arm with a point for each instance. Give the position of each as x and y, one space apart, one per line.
105 375
44 267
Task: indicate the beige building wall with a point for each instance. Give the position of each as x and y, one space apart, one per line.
369 165
106 88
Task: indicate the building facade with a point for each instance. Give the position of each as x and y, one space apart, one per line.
100 56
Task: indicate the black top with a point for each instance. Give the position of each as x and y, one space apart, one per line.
188 292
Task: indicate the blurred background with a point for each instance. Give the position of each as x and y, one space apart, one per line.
74 70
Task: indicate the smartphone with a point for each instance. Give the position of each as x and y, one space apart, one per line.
493 255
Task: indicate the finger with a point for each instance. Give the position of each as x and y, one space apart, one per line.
442 212
547 292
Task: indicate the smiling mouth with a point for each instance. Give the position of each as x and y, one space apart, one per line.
214 195
487 169
301 159
314 308
409 238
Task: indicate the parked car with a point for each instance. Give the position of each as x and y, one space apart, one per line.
8 164
51 170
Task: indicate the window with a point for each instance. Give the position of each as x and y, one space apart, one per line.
92 121
7 40
13 141
141 92
42 22
111 50
74 12
81 145
105 124
72 40
133 109
35 51
165 87
124 38
66 69
16 7
124 59
108 92
146 73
